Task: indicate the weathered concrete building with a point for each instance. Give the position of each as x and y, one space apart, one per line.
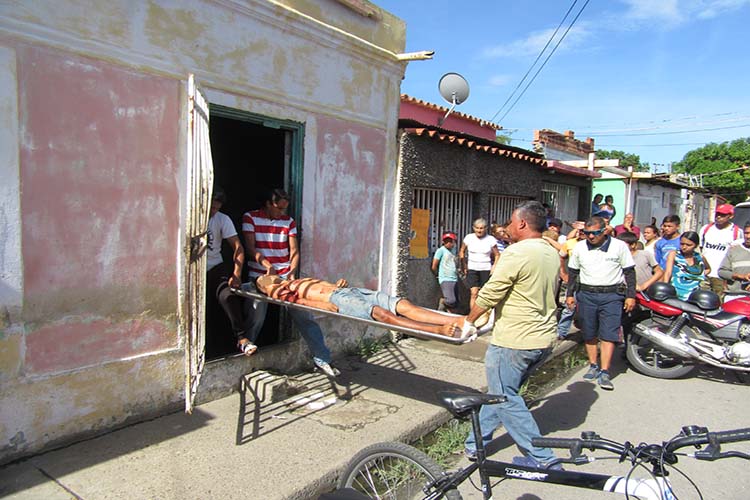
106 177
458 172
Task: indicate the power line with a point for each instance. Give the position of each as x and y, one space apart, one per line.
605 146
676 132
594 132
667 120
535 61
642 126
545 61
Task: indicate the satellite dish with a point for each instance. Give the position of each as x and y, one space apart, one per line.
455 89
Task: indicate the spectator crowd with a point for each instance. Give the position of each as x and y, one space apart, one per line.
602 268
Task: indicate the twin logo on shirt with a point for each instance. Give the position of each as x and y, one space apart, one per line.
715 246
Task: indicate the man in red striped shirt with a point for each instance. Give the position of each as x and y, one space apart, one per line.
271 243
271 238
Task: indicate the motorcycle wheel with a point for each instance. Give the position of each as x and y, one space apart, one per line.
650 360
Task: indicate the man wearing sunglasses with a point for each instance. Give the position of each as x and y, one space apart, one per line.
601 273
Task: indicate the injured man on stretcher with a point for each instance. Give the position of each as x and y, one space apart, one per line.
365 304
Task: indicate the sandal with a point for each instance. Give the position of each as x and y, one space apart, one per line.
247 348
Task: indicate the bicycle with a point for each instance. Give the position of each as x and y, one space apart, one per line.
399 471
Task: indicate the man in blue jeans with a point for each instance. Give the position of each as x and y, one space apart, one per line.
522 292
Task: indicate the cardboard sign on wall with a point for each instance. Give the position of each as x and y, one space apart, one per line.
420 227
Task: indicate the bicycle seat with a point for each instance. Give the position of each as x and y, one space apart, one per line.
460 403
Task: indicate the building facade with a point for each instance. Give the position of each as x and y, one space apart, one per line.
458 172
107 173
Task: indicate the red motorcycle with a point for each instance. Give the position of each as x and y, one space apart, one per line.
670 337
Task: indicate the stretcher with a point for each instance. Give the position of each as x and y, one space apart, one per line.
408 331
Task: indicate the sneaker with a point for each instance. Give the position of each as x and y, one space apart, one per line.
327 369
592 373
604 381
471 455
532 462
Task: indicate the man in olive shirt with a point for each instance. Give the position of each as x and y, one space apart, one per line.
522 292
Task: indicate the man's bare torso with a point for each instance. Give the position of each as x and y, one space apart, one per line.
305 288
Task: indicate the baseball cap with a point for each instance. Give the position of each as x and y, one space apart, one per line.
725 209
555 222
449 235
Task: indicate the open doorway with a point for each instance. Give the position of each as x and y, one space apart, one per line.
249 155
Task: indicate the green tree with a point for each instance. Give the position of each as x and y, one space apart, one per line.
720 167
626 159
503 138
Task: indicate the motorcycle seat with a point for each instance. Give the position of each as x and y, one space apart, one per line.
691 308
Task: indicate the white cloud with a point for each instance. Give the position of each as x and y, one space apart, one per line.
663 11
532 44
709 9
499 80
675 12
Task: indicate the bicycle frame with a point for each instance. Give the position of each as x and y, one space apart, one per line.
656 488
367 475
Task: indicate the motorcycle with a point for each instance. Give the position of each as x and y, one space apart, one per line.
671 337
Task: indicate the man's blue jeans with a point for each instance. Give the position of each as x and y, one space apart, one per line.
303 320
507 369
566 320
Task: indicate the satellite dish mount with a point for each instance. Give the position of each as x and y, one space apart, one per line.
455 89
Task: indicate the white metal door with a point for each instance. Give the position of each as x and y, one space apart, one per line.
200 174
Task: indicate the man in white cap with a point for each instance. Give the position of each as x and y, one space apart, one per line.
716 238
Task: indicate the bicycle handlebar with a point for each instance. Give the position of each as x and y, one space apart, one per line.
588 440
690 436
709 438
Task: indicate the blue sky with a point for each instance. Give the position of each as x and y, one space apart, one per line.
626 67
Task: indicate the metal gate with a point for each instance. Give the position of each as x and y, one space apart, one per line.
501 207
200 174
563 199
449 211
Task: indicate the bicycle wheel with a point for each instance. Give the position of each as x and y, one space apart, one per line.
393 471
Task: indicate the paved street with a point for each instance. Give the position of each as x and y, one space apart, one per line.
640 409
274 442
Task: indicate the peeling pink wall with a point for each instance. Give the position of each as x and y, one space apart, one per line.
100 209
67 346
348 202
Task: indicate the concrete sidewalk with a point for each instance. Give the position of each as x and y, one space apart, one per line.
280 437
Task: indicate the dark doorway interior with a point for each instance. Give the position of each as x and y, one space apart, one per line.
248 157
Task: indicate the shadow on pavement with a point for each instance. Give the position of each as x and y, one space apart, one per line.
719 375
263 410
100 449
555 413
